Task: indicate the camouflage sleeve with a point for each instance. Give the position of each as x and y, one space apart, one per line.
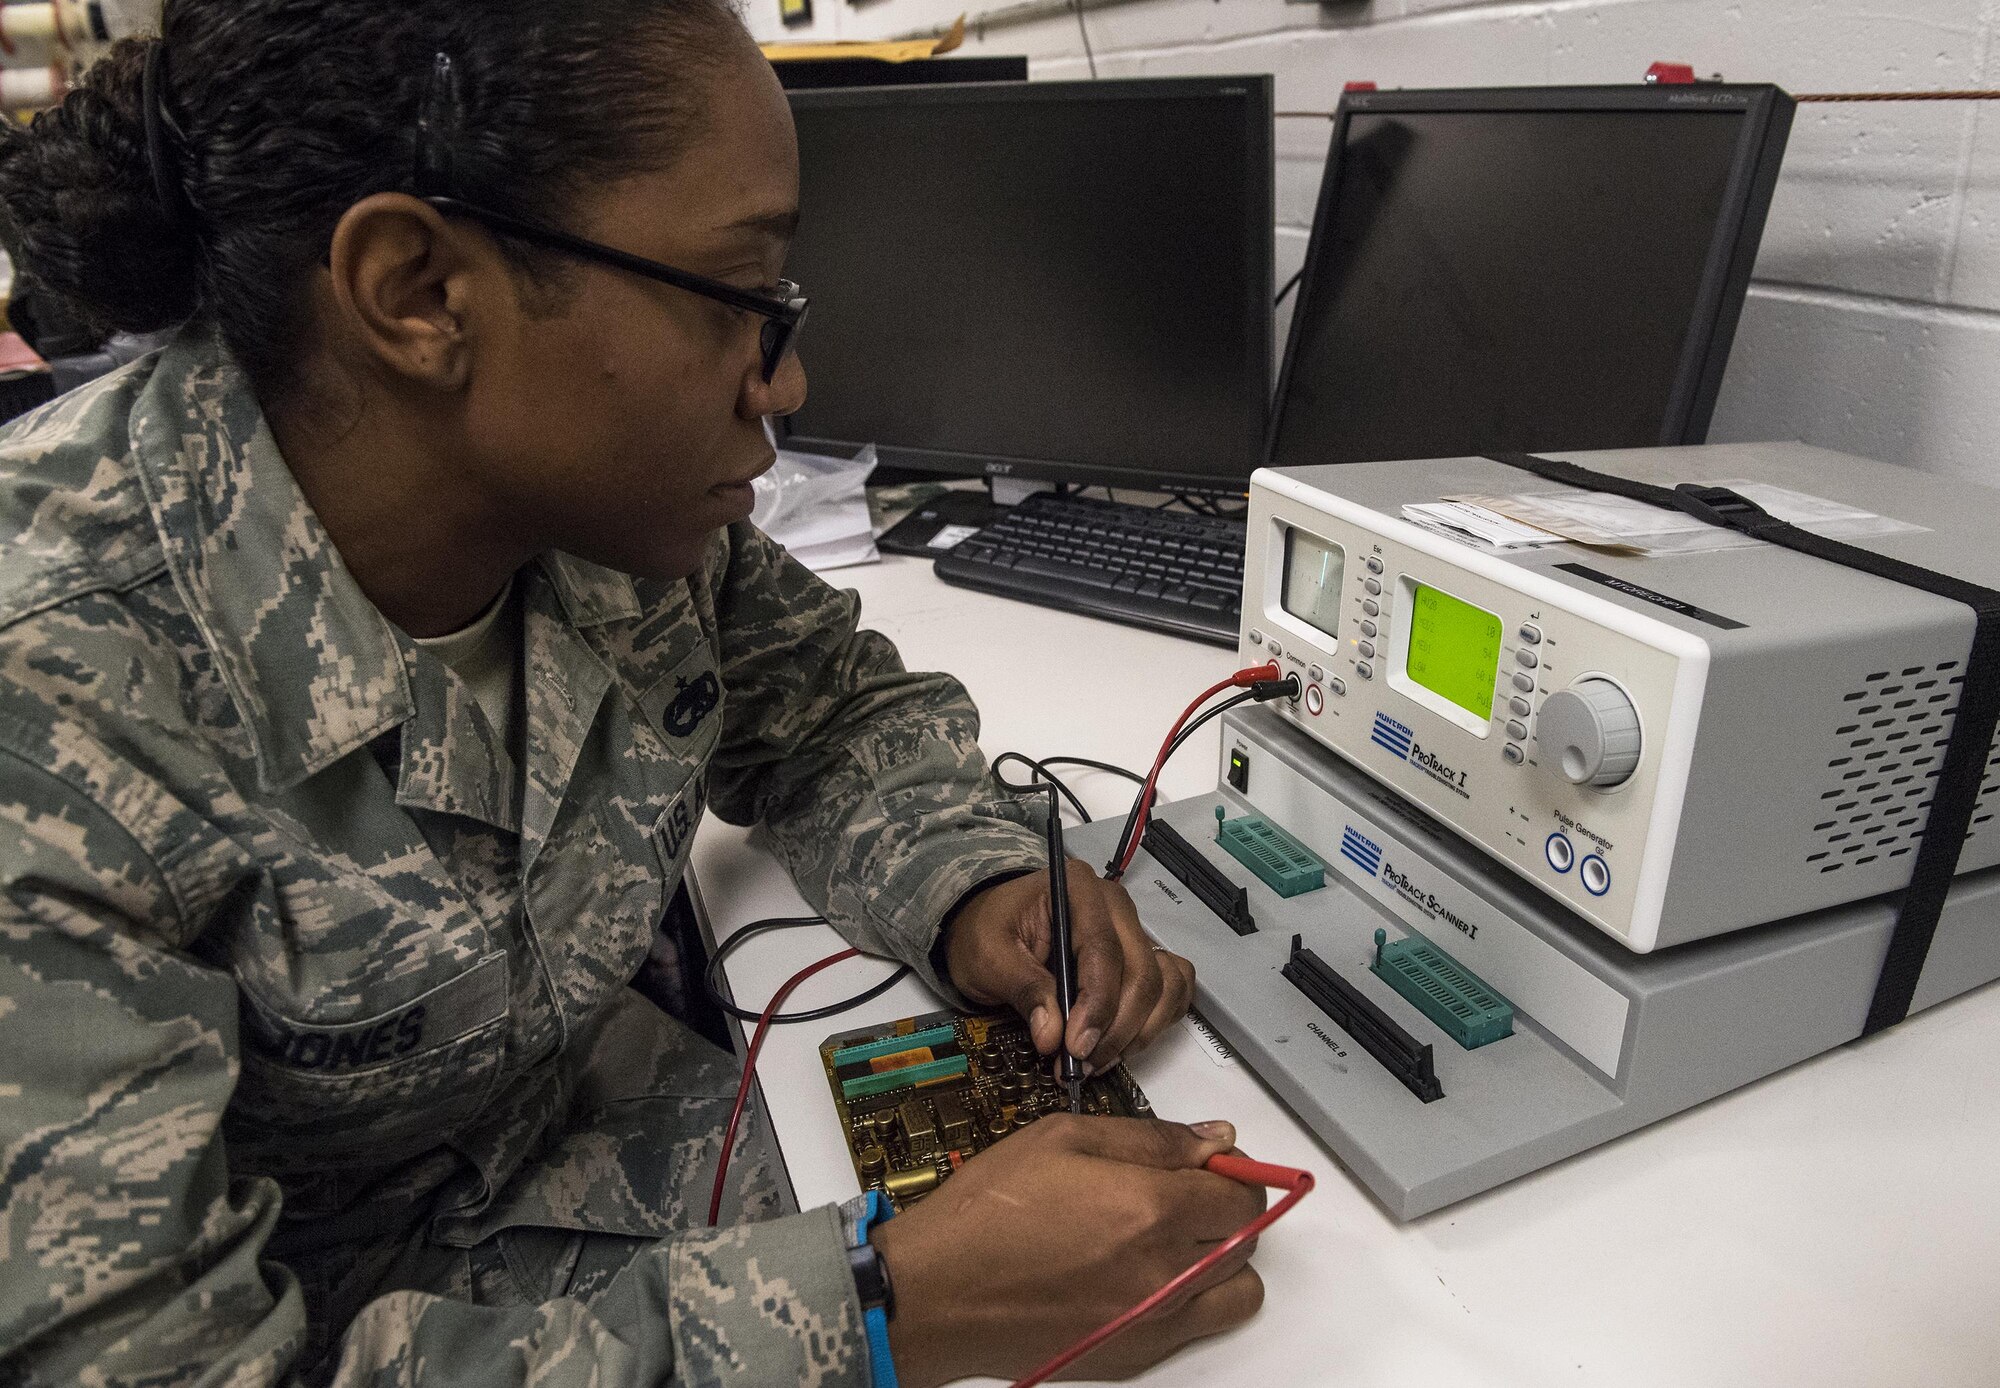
130 1256
127 1255
869 778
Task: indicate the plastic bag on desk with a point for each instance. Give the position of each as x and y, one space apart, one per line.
817 507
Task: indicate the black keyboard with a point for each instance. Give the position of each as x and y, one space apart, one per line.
1173 571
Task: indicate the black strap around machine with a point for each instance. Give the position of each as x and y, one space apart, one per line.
1956 794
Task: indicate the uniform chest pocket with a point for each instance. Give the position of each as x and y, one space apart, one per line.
372 1092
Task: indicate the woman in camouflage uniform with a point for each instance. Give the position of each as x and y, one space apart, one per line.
366 659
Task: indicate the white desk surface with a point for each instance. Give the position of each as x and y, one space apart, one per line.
1837 1224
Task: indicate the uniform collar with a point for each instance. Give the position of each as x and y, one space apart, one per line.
591 595
312 667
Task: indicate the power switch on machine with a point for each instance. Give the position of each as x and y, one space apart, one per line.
1239 769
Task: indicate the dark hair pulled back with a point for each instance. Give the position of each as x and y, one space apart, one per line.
282 114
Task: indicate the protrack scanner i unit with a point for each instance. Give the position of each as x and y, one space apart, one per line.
1599 1041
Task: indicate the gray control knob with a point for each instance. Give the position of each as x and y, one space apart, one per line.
1591 732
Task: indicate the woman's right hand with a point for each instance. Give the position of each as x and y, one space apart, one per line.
1066 1224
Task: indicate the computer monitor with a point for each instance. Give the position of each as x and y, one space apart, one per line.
1066 281
1525 268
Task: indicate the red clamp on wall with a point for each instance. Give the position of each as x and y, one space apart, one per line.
1371 87
1671 74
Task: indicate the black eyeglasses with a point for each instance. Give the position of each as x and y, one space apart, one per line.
784 313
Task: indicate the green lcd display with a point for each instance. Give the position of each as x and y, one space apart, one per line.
1454 649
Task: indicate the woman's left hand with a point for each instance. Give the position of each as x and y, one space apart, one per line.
1128 988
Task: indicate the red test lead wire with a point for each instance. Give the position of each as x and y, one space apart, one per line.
750 1071
1242 679
1297 1184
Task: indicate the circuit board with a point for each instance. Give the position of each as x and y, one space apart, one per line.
918 1097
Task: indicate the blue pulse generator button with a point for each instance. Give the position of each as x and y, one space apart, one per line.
1562 853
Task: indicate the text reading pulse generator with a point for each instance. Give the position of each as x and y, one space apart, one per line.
1559 840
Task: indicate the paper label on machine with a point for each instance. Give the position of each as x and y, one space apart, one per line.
1212 1045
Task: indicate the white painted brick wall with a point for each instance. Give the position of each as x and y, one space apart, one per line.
1874 322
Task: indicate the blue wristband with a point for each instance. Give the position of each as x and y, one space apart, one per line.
881 1368
874 1208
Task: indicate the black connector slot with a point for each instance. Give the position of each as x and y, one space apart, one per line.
1200 876
1364 1021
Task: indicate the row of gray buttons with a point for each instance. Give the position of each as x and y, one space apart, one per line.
1336 684
1257 639
1364 668
1519 705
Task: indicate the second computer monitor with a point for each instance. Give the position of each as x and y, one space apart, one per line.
1064 281
1530 268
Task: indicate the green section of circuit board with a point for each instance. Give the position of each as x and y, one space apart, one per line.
890 1045
928 1072
919 1097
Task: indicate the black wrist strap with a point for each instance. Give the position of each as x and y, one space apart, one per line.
1956 794
871 1278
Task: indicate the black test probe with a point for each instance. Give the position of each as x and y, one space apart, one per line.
1062 954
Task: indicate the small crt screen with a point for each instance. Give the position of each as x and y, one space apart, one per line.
1454 649
1313 572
